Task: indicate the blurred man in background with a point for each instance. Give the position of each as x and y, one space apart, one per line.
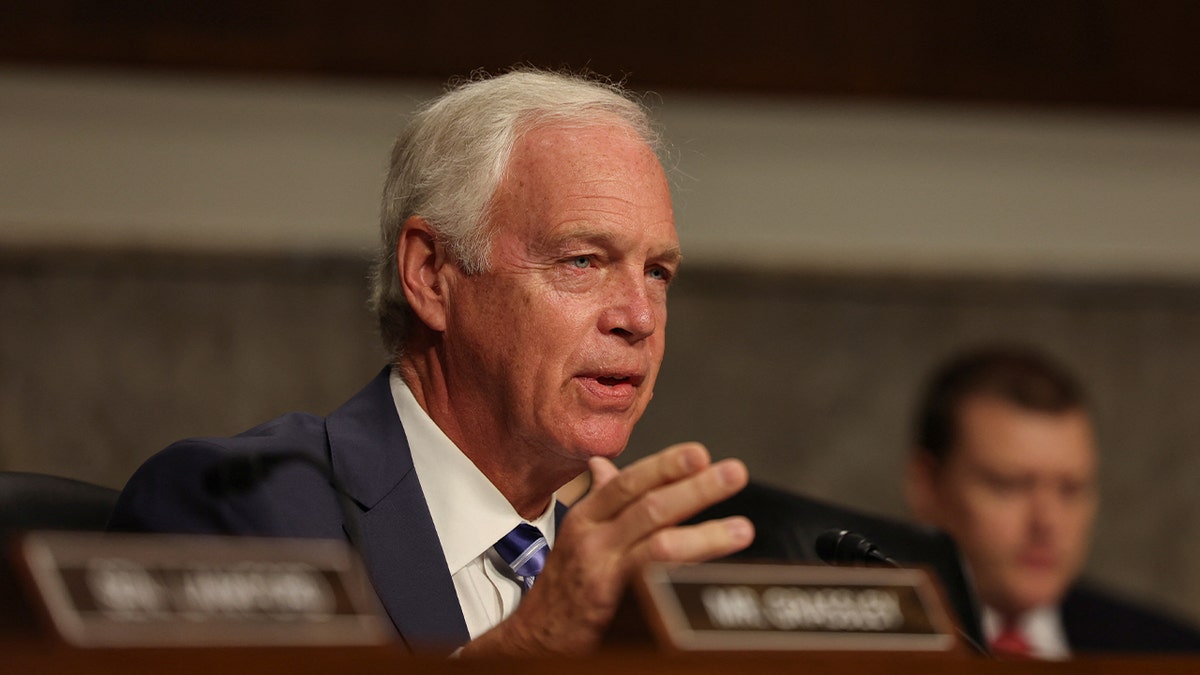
1005 460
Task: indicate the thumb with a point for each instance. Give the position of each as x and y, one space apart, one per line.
603 470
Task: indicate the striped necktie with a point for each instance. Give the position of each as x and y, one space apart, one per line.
524 549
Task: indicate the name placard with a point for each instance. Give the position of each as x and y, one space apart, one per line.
771 607
173 590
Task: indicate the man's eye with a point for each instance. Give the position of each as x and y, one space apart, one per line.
660 274
1010 486
581 262
1075 491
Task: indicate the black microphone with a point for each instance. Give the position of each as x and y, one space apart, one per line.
841 547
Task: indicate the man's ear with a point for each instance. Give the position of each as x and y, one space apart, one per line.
419 259
920 486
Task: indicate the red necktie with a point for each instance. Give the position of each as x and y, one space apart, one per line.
1011 643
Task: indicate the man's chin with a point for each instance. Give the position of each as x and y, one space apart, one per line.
608 446
600 435
610 450
1041 595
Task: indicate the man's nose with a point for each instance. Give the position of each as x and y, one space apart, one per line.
1046 510
631 312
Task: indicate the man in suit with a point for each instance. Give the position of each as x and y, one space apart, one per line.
1005 461
528 243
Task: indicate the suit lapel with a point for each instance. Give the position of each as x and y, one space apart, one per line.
400 546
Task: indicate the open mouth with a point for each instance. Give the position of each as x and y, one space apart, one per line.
614 380
614 392
615 387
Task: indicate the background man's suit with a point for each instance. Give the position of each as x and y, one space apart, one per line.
1096 621
787 525
365 444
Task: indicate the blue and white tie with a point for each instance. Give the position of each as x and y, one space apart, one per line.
524 549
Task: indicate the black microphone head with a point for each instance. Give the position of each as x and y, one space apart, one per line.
841 547
829 546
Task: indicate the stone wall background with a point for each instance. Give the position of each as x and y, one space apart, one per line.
107 356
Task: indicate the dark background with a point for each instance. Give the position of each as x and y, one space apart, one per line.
107 355
1113 53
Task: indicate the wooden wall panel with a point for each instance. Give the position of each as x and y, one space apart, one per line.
1122 53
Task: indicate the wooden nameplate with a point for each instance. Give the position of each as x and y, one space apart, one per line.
752 607
134 590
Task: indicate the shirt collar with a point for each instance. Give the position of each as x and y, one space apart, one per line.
1042 628
469 513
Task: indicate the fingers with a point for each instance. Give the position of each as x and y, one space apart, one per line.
629 518
602 470
613 493
637 510
695 543
674 502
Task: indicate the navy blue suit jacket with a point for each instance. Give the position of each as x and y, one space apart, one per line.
365 444
1099 622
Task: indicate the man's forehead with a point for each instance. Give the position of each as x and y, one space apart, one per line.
577 182
998 431
988 407
570 235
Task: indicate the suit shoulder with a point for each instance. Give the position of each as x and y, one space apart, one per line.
171 491
290 432
288 425
1099 620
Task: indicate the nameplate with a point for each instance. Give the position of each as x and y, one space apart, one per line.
772 607
127 590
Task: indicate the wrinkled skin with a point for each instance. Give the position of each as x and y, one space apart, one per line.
539 368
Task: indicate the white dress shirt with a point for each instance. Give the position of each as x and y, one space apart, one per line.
470 516
1041 627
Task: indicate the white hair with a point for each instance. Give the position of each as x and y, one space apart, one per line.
448 163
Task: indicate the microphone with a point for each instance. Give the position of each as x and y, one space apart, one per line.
841 547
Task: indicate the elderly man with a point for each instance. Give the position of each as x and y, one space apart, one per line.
1005 462
528 244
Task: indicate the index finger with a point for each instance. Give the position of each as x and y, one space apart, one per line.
664 467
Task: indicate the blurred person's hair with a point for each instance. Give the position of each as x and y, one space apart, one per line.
1013 374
